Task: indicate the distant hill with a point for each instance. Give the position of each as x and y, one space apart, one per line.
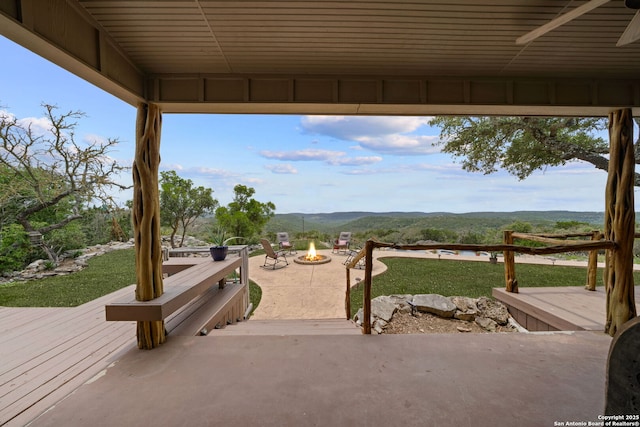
362 221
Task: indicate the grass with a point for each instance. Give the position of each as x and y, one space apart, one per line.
104 274
466 278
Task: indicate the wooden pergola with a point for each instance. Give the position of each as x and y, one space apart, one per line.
346 58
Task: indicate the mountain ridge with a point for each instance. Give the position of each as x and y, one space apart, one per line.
363 220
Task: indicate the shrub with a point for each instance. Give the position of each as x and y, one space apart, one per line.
14 248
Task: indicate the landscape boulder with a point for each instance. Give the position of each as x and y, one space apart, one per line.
486 324
402 302
467 309
383 307
494 310
435 304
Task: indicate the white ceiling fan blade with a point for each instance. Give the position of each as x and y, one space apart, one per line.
632 33
560 20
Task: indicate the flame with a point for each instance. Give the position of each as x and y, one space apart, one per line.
311 254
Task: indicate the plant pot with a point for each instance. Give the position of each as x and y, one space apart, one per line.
219 253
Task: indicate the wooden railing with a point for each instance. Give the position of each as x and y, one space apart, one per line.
557 240
508 249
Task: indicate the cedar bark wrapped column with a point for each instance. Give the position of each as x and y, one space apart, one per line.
146 219
619 220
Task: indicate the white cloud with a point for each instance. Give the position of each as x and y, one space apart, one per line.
355 161
388 135
401 144
199 171
282 169
91 138
352 127
336 158
302 155
40 126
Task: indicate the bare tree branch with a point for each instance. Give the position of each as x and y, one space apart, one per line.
46 172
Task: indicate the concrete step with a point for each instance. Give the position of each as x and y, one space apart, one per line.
285 327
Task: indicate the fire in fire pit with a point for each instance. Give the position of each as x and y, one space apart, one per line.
312 257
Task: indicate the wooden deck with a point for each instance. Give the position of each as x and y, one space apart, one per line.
564 308
47 353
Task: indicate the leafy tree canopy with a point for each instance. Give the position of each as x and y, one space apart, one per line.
181 203
522 145
244 216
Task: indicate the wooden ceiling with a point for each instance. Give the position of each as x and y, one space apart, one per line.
340 57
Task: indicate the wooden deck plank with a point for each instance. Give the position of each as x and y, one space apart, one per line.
57 356
66 380
565 307
49 352
48 333
45 335
12 318
61 317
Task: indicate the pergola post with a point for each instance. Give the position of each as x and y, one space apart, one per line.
368 276
509 263
619 221
592 266
146 219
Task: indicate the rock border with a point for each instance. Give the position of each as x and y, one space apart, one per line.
486 312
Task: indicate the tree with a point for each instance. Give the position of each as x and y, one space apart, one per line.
244 216
522 145
181 203
48 177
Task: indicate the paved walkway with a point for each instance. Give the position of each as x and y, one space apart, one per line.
317 292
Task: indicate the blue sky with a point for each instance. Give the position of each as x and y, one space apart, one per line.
305 164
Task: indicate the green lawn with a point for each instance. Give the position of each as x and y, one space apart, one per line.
466 278
104 274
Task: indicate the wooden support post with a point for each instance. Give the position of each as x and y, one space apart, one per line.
592 267
347 295
619 218
146 219
509 264
366 304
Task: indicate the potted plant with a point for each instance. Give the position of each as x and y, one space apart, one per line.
493 258
219 246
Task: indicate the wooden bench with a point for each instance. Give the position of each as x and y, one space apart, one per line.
191 303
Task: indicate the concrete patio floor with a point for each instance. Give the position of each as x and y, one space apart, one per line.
298 291
386 380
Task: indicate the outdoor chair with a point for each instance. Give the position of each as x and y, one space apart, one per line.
285 243
341 244
272 257
351 255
